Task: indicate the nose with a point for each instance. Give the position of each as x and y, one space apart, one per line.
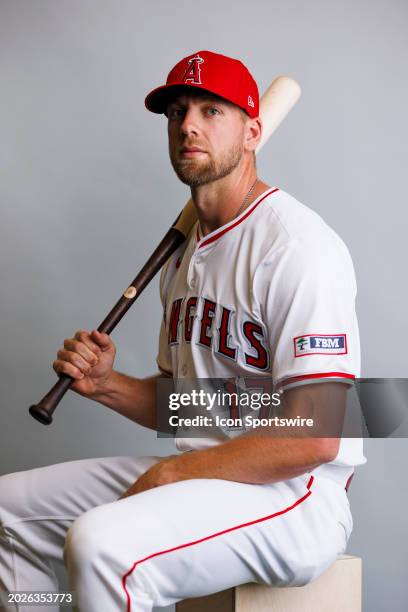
190 124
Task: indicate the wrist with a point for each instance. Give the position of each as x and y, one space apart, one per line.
184 467
105 387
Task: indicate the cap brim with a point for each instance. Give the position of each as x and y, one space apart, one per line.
158 99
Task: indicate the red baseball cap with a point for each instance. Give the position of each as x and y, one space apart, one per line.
212 72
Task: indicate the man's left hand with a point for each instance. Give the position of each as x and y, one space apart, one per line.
164 472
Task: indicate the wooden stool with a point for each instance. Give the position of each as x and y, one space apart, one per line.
337 590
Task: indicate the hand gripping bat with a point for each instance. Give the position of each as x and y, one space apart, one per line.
275 104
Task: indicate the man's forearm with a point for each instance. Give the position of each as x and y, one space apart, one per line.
256 460
266 455
133 398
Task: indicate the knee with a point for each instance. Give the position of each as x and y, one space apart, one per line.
95 535
95 543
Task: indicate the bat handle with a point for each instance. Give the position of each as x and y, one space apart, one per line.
45 407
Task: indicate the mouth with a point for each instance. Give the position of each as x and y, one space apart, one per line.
187 152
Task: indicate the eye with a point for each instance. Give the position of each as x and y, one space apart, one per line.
175 113
213 110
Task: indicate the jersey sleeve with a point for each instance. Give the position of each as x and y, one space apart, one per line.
163 358
310 313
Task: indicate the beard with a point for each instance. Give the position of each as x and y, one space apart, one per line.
195 172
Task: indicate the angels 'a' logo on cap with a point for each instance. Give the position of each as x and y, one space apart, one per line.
193 70
251 102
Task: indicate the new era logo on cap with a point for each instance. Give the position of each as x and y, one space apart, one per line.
251 102
324 344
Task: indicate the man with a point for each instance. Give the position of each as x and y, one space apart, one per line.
262 286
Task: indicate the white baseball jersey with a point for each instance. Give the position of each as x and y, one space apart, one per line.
272 292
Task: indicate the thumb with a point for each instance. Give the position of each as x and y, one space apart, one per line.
101 339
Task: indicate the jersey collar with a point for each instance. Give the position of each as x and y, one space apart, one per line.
203 241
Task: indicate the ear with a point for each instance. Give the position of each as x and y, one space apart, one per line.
253 133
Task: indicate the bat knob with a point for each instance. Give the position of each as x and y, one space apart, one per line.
44 409
40 414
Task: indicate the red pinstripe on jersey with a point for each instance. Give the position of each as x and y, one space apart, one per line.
293 379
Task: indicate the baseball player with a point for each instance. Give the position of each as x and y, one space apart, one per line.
261 287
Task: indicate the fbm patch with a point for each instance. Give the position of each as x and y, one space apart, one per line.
320 344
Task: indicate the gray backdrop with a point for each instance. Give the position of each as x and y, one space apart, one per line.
86 191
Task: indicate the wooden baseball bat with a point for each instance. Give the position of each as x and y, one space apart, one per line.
275 104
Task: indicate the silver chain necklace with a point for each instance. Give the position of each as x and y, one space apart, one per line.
242 207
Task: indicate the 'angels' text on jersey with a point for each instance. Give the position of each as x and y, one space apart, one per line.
208 325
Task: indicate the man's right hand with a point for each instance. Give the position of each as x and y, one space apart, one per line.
88 358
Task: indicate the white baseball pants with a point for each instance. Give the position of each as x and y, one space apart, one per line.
180 540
